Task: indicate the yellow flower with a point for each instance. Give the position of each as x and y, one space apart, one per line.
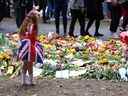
41 37
47 46
72 50
103 61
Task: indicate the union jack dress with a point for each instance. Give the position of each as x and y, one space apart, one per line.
30 49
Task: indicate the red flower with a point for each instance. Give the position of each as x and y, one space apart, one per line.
124 37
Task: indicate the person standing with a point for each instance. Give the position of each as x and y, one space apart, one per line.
22 7
94 13
77 9
4 9
30 51
61 7
50 9
115 17
7 8
125 15
42 6
109 7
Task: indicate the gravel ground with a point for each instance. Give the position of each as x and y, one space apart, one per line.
64 88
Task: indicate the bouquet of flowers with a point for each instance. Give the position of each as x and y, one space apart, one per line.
124 40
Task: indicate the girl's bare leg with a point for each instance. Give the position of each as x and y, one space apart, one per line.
23 75
30 72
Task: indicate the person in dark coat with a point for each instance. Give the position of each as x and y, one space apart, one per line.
125 15
7 8
61 7
77 8
22 7
42 6
50 9
94 13
4 11
115 17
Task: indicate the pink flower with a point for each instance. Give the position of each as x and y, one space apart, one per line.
124 37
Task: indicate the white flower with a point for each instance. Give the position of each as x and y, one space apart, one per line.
122 73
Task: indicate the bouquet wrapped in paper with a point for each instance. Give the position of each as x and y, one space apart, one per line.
124 40
124 37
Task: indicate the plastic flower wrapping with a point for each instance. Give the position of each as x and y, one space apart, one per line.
124 37
81 57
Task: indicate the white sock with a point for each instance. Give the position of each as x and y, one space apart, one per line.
31 78
23 78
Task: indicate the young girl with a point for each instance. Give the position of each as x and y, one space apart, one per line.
30 51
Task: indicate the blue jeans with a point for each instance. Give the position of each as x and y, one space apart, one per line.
50 10
105 9
61 7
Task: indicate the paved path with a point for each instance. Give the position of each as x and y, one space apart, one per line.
8 25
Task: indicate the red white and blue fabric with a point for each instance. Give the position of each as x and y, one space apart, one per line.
30 49
25 53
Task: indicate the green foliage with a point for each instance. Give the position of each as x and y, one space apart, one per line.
78 55
2 39
71 67
4 64
85 55
107 74
48 71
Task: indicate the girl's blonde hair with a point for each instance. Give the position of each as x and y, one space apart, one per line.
30 18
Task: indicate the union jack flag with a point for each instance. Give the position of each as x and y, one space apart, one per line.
25 52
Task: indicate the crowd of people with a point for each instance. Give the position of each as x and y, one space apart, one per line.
96 10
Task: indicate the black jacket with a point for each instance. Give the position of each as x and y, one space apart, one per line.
94 9
24 3
42 4
3 7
